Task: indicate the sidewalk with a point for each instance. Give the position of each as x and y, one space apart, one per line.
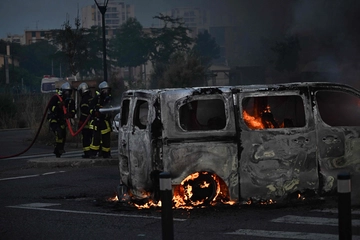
53 162
14 141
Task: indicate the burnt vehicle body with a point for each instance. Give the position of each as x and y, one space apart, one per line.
255 142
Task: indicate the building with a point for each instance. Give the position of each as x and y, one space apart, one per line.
33 36
16 38
117 12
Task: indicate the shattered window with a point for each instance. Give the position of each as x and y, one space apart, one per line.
203 115
338 108
125 112
141 114
273 112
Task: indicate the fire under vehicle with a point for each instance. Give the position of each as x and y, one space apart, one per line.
239 143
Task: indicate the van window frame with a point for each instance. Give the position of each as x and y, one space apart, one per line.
273 94
222 124
330 118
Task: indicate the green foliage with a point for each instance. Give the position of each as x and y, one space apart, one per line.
20 79
37 58
287 54
171 38
206 48
93 65
73 44
130 47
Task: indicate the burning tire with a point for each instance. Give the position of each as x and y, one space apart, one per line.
199 188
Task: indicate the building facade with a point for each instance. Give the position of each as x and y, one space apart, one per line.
117 12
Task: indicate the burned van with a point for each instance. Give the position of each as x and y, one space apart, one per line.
239 143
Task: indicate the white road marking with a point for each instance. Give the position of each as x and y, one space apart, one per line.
287 235
30 176
39 206
334 210
312 220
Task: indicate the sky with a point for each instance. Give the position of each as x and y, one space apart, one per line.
16 16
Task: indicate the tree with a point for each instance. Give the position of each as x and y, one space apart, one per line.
73 44
183 70
37 58
171 38
130 47
167 41
93 66
206 48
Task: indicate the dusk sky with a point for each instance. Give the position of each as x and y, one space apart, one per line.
16 16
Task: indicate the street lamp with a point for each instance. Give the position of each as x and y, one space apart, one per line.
102 9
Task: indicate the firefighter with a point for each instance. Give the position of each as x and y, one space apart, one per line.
100 123
57 117
86 132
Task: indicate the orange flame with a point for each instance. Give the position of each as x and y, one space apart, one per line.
183 193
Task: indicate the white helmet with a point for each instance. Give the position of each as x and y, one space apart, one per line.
83 88
65 89
104 85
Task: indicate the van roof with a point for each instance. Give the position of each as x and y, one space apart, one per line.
245 88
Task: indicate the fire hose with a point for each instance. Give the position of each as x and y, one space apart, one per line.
42 121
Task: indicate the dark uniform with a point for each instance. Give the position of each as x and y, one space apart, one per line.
101 122
57 118
86 132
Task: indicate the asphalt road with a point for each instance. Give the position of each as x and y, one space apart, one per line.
74 202
15 141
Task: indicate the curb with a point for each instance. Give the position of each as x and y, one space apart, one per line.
71 162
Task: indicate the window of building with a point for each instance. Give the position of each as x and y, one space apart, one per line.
203 115
273 112
338 108
141 114
33 34
125 112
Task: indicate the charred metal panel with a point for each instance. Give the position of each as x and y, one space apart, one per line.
338 128
274 165
278 160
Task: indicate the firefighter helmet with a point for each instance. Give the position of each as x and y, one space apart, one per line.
83 88
103 85
65 89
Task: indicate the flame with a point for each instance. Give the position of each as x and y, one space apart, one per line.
263 120
252 122
113 199
300 197
183 194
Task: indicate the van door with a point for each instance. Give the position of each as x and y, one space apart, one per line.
279 144
135 147
123 139
338 126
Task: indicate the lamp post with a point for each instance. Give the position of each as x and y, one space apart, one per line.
102 8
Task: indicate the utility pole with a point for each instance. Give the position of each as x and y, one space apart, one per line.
6 62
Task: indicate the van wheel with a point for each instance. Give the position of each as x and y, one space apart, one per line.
200 189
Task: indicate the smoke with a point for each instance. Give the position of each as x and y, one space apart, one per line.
329 35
